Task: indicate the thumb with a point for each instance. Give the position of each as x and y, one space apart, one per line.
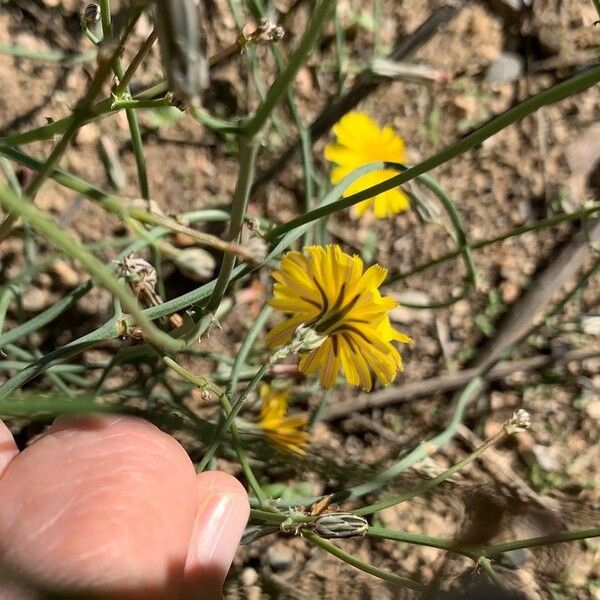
223 511
8 447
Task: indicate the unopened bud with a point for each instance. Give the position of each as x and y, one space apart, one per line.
91 14
340 525
195 263
255 532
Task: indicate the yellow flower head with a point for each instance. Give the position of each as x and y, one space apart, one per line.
326 289
361 141
287 433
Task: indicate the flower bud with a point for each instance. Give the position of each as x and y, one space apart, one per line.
340 525
91 14
195 263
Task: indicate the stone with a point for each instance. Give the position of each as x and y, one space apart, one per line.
506 68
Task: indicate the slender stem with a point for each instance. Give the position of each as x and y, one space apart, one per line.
211 122
569 87
123 85
516 231
432 483
248 151
205 384
80 113
285 77
46 316
392 578
307 169
106 332
65 59
132 120
235 409
115 205
246 346
98 270
419 539
266 516
546 540
486 565
425 448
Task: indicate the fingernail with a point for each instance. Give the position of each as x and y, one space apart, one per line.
89 421
222 515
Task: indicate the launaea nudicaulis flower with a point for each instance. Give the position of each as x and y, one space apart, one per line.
285 432
326 289
360 141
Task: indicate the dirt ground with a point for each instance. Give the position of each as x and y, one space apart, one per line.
491 57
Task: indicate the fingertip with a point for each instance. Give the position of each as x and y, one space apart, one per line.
221 483
8 447
223 511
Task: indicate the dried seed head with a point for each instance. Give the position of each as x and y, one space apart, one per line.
135 269
91 14
340 525
252 223
264 24
266 32
520 421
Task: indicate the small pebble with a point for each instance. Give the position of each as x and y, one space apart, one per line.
507 67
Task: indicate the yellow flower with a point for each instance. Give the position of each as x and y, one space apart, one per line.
284 432
361 141
326 289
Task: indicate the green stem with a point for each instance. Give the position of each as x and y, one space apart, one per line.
248 151
98 270
245 348
235 409
80 113
123 85
391 578
422 450
214 123
569 87
45 317
546 540
285 77
106 332
486 565
65 59
205 384
419 540
432 483
516 231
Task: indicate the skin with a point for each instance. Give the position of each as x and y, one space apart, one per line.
110 507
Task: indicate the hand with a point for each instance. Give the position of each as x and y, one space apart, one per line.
110 507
